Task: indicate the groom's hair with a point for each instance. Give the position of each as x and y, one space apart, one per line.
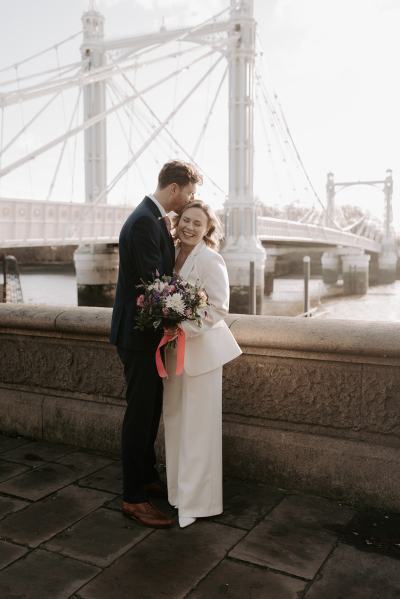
181 173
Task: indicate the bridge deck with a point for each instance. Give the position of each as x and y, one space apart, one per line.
30 223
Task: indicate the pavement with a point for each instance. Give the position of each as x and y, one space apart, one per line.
62 536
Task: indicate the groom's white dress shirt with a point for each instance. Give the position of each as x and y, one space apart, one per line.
157 203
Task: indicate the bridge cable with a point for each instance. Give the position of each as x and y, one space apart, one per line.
276 128
168 132
32 120
209 114
21 62
149 128
64 109
24 134
128 139
90 122
269 147
61 155
93 76
182 36
58 70
74 153
155 134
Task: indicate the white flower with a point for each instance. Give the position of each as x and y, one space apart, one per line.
157 285
175 302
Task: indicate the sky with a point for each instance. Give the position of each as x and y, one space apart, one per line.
332 64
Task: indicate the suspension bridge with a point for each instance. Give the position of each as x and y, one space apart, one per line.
116 85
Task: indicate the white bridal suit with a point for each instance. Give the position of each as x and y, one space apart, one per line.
192 407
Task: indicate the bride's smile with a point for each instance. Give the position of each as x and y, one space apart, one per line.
192 226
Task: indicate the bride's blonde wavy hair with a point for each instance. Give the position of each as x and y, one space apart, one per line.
214 233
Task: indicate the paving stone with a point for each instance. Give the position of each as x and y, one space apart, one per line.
353 574
40 482
44 575
44 519
100 538
9 470
168 563
115 504
286 547
239 581
37 452
373 530
7 443
9 504
9 553
82 463
107 479
311 512
246 503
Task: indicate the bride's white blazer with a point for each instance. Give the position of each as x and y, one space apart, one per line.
210 346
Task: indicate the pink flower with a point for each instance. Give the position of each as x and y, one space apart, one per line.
140 301
165 311
188 312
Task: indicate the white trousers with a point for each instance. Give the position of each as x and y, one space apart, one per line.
192 414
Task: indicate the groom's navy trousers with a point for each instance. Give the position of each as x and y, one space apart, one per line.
145 249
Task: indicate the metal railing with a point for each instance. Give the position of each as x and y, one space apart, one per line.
11 290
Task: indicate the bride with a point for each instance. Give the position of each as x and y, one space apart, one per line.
192 405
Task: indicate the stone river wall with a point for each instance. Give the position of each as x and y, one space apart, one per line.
311 405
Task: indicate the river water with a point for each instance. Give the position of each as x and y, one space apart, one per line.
56 285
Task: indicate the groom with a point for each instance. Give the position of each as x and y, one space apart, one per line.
145 247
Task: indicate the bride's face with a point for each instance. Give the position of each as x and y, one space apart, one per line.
192 226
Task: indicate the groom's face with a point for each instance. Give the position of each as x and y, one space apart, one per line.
180 196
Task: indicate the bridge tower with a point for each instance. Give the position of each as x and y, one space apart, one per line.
330 260
388 258
94 103
242 245
330 200
96 266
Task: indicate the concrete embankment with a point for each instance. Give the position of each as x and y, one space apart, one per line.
311 405
42 255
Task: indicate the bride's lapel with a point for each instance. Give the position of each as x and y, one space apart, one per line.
190 260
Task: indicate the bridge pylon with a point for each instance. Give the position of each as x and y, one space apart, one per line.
242 245
356 267
388 257
96 266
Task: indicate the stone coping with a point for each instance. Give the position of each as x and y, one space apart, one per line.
363 338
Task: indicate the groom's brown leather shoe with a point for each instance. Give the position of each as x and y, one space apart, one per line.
146 514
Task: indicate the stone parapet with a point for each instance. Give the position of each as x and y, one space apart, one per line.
310 405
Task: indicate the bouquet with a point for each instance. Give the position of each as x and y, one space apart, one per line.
165 302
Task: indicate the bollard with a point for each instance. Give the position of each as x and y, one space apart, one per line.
306 263
252 289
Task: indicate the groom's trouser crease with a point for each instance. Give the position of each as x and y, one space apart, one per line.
140 425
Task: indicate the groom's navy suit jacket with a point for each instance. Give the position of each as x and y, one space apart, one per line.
145 246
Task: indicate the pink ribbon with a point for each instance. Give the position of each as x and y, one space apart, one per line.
180 352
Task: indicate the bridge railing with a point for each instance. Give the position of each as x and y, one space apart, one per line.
274 229
28 223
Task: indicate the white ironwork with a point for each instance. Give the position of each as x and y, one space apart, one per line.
94 102
26 223
30 223
282 231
